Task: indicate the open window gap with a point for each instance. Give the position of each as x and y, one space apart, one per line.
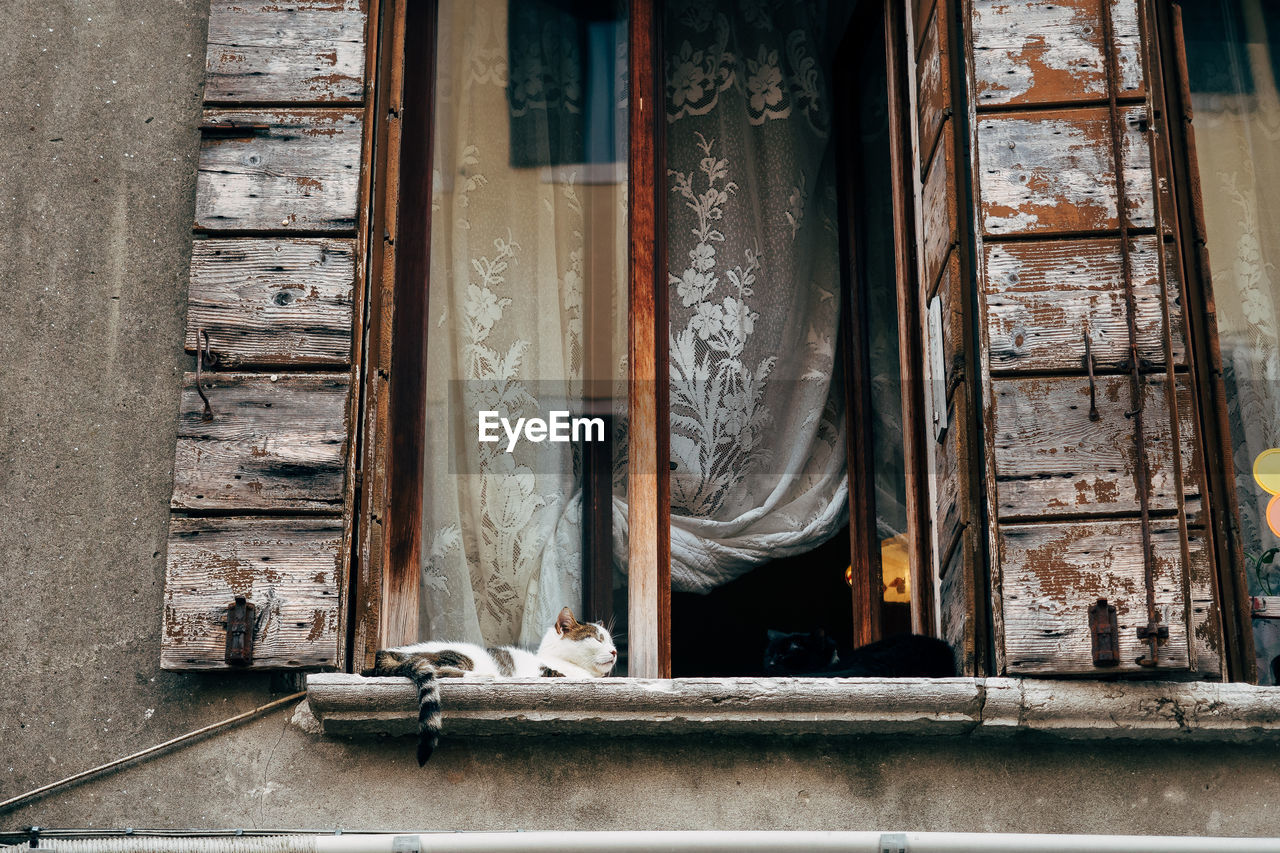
855 586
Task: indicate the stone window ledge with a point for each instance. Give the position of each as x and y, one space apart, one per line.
351 705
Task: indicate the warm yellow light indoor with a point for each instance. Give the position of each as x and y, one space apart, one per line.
895 569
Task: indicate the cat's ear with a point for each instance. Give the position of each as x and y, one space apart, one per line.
565 621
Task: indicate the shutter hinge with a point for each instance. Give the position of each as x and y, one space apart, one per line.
1154 635
240 625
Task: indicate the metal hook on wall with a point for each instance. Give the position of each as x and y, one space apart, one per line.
201 355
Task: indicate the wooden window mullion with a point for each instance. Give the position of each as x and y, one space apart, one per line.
385 604
866 572
648 476
402 546
865 545
910 345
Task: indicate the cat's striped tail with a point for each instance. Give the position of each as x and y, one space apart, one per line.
424 675
422 671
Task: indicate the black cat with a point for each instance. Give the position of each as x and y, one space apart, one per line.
813 654
793 654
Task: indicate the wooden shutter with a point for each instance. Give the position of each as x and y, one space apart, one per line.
1072 242
945 268
263 482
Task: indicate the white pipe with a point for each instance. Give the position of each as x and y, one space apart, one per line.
700 841
180 844
697 841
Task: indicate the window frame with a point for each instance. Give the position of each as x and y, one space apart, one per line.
1164 27
387 522
867 575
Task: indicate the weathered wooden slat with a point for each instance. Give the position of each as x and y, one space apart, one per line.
1052 573
1128 46
949 470
286 567
939 207
1041 296
957 603
1051 459
952 295
299 174
302 52
273 302
920 11
933 75
275 442
1050 51
1206 616
1192 469
1052 171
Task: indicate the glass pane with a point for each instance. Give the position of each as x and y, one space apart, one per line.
876 283
1233 47
759 491
527 319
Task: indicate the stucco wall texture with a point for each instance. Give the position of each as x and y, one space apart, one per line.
99 103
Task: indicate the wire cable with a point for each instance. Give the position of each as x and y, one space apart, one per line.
151 750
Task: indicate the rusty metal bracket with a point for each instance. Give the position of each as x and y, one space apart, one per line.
1154 635
241 622
201 355
1142 477
1104 628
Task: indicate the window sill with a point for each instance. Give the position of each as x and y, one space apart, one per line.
351 705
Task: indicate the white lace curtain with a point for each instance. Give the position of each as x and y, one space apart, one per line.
757 425
756 407
501 534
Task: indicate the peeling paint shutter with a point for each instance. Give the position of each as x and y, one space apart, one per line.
262 488
947 331
1072 245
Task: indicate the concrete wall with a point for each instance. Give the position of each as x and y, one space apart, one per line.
98 107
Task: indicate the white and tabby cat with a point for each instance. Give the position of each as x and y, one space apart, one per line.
569 649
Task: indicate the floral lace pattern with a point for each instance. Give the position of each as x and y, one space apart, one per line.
756 430
718 417
757 441
764 50
500 530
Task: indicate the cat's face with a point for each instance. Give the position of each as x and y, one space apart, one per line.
584 644
793 654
